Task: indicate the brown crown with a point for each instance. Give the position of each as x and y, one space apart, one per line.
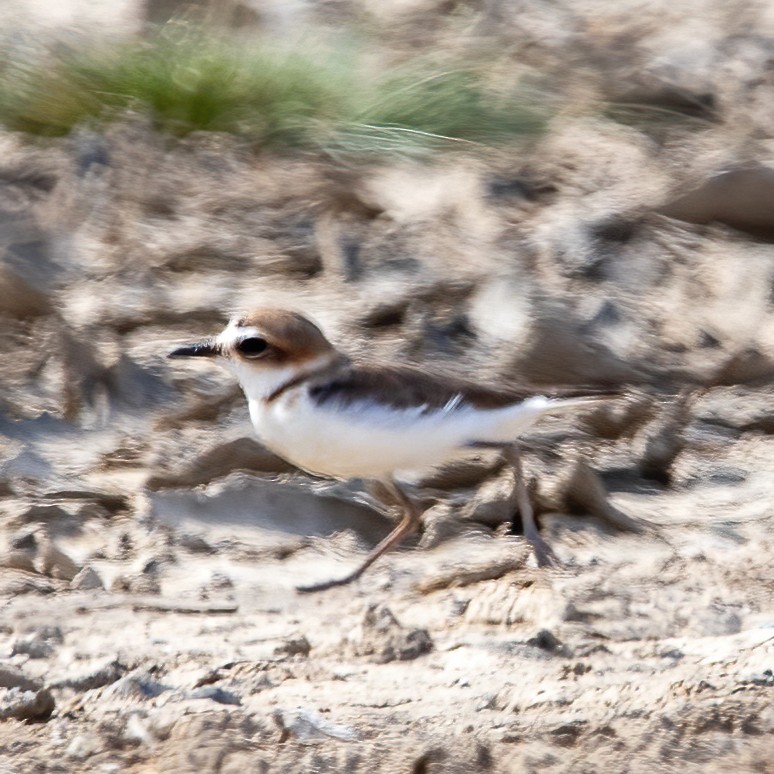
288 333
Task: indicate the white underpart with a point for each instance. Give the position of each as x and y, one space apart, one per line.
367 439
370 440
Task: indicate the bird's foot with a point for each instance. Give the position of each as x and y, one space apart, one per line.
330 584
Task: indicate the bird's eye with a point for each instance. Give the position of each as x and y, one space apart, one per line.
252 347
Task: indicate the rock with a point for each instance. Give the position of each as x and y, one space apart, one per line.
13 677
216 694
137 684
16 582
717 621
495 502
54 562
30 176
18 704
194 543
82 380
558 352
708 437
291 506
24 539
90 150
32 648
764 678
464 473
545 640
511 188
240 454
620 418
52 633
584 492
750 365
384 315
86 579
41 513
735 409
208 409
26 270
740 199
20 300
83 746
27 464
672 97
94 675
293 646
382 639
442 522
490 701
138 583
19 560
567 734
38 644
110 501
92 511
132 386
664 440
308 726
219 580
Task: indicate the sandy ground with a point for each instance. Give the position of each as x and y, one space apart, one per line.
151 547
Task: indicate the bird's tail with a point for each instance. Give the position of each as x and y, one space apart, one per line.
572 399
561 400
510 422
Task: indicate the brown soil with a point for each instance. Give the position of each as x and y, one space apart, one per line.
150 546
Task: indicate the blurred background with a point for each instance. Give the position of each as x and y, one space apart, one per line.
541 193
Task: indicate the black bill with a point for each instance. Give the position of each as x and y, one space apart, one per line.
200 349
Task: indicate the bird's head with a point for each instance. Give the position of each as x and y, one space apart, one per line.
265 349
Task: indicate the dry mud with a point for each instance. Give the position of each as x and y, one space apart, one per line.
150 546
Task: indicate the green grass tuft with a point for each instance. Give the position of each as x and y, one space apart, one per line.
273 97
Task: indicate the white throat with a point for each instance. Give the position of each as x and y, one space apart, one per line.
259 382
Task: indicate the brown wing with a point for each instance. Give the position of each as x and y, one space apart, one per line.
404 388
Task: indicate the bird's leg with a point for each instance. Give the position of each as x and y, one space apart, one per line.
543 552
408 524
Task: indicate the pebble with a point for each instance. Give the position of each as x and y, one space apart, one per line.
382 639
308 726
92 676
86 580
40 643
19 704
13 677
293 646
216 694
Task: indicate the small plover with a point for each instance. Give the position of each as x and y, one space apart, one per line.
311 405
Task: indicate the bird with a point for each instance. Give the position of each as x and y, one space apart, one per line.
315 407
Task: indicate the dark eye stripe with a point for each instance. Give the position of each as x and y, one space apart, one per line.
252 347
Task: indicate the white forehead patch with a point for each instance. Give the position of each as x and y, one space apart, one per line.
233 333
